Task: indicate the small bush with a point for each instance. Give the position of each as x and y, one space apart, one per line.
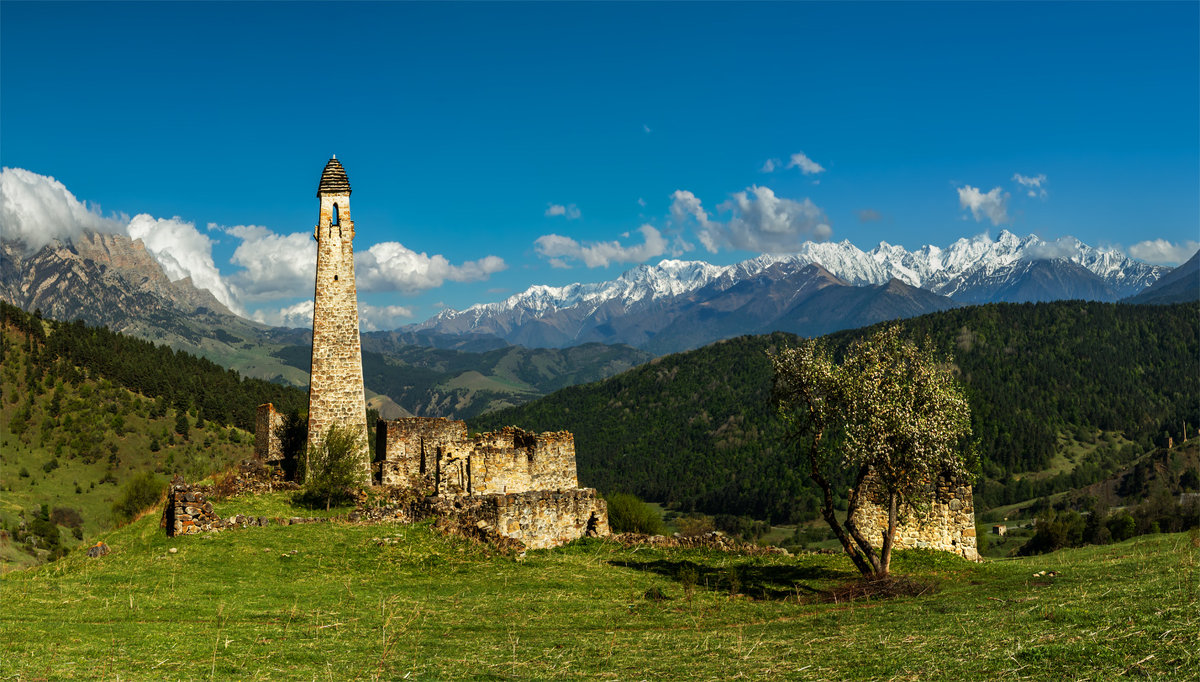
141 492
628 514
335 470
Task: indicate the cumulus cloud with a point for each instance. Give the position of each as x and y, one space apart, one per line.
558 249
375 318
770 165
1163 252
760 221
36 209
391 266
1033 185
273 265
570 211
182 251
993 205
298 315
806 165
869 215
1063 247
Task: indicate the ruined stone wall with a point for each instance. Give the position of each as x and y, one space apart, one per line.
336 385
554 461
409 447
187 511
268 427
537 518
510 460
542 518
948 524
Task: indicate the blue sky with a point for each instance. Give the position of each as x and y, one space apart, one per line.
462 125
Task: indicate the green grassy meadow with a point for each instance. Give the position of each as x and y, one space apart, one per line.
332 602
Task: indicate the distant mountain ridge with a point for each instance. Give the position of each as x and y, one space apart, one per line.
1181 285
659 307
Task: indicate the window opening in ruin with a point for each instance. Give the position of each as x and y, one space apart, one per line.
335 278
335 215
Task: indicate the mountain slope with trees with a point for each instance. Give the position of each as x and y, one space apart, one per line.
698 429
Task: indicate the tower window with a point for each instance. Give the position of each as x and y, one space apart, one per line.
335 278
335 214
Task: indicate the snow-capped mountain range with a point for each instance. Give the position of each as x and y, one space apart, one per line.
975 270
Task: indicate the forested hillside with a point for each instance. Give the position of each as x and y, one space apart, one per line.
73 350
83 411
697 429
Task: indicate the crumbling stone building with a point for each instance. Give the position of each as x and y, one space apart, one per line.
335 393
522 484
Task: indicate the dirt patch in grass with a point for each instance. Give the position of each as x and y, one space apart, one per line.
888 587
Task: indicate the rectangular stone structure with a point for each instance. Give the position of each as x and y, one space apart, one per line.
948 524
439 451
268 429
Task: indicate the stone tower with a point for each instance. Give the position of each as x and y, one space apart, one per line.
335 393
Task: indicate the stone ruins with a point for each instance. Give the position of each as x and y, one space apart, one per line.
511 483
948 524
521 484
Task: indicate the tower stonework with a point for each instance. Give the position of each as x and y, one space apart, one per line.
335 394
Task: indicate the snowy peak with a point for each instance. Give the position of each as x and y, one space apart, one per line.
975 269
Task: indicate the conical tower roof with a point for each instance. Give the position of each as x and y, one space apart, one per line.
333 179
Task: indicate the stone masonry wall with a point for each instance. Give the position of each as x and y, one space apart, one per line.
510 460
336 385
409 447
187 511
551 518
268 426
948 524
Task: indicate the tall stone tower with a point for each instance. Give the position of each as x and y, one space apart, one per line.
335 393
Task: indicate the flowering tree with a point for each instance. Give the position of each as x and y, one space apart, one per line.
891 416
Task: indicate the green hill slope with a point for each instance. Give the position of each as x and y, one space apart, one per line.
333 601
697 429
83 410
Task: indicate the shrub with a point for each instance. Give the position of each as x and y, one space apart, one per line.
628 514
141 492
334 470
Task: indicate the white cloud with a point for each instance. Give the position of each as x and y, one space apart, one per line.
806 165
992 205
36 209
770 165
641 202
298 315
1034 185
274 265
570 211
1163 252
1063 247
646 128
558 248
869 215
183 251
370 318
391 266
374 318
760 221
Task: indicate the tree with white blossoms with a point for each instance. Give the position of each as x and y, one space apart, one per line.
891 417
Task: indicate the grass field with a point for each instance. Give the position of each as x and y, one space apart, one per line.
331 602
